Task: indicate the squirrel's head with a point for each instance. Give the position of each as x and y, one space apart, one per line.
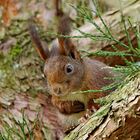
63 68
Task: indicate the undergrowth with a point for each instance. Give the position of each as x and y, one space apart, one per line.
131 67
22 132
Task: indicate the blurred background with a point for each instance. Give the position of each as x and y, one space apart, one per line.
23 87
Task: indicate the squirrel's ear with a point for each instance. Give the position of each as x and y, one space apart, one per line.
39 45
67 48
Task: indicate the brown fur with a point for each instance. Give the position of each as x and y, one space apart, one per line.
87 75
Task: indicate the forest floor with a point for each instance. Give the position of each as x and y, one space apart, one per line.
23 88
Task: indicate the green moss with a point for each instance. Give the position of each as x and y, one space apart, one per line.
15 51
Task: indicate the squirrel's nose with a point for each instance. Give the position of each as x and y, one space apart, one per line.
57 90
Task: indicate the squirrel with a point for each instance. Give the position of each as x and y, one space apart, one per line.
67 73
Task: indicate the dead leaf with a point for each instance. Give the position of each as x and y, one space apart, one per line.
9 10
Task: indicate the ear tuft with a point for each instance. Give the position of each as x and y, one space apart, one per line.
66 46
39 46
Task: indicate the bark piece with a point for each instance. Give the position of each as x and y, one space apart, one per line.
117 119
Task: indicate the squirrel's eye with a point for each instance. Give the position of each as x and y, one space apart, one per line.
69 68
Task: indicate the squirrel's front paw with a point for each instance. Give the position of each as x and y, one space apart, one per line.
88 113
70 107
77 106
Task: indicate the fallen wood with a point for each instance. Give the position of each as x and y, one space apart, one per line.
117 119
113 20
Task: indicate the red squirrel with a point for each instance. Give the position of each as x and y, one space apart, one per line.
67 73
